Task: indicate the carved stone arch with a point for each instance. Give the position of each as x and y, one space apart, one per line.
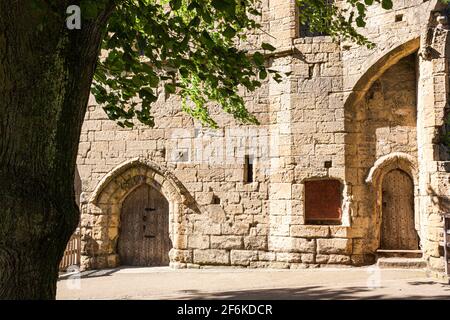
383 59
117 181
379 63
105 202
396 160
384 165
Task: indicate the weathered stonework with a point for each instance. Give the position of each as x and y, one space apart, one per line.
365 111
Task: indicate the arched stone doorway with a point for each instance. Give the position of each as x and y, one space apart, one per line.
102 213
144 228
397 221
394 183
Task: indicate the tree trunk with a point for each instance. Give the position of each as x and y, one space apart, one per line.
45 76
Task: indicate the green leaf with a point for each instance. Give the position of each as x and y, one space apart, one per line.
263 74
258 58
206 39
360 22
175 4
229 32
228 6
89 9
267 46
387 4
169 88
196 43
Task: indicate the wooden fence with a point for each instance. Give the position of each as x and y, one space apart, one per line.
72 254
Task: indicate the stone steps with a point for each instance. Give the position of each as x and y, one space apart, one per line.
399 253
401 263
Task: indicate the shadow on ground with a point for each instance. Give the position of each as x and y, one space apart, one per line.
318 293
72 273
88 274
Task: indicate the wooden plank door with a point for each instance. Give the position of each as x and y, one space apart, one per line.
144 229
156 230
397 227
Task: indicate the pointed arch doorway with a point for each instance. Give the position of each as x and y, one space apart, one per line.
397 225
144 228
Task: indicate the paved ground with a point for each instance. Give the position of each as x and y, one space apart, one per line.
165 283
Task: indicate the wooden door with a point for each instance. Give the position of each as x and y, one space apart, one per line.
144 229
397 227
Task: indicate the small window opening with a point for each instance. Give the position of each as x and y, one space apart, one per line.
310 71
398 18
216 199
248 169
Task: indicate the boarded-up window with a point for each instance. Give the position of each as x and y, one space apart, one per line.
323 202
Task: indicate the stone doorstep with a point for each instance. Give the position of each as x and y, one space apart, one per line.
401 263
381 253
402 259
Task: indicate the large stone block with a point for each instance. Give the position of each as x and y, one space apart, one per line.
289 257
243 257
226 242
280 191
437 263
340 231
308 258
292 244
212 257
339 259
431 248
304 231
207 228
197 241
266 256
183 256
255 243
235 228
334 246
234 209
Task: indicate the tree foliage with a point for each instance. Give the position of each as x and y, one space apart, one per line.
189 47
324 16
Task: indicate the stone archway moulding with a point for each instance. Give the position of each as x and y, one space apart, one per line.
386 58
111 181
396 160
378 66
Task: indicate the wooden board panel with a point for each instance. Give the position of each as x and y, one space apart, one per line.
144 229
397 227
323 200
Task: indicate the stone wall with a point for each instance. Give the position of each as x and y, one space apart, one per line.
343 112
